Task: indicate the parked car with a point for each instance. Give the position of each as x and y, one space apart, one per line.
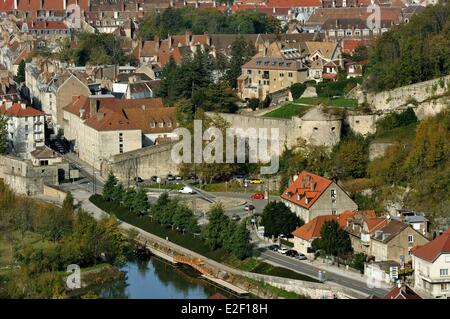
170 177
301 256
273 247
282 251
257 196
249 207
186 190
138 179
284 237
235 217
291 253
256 181
154 178
179 178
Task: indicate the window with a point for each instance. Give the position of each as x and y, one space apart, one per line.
443 272
26 128
410 239
447 259
290 74
120 148
169 124
152 124
444 287
249 71
333 212
120 137
333 193
161 124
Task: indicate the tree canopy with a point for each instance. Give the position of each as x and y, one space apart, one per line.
278 219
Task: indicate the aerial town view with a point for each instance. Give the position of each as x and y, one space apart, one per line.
252 150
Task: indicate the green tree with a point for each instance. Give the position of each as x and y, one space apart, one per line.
334 240
350 158
241 52
141 203
128 198
20 78
184 219
3 134
67 204
297 90
108 188
117 193
278 219
358 262
240 241
214 232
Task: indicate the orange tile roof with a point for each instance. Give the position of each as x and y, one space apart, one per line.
53 5
6 5
432 250
312 188
376 223
16 110
399 293
312 229
28 5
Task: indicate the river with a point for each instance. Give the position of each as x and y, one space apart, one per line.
154 278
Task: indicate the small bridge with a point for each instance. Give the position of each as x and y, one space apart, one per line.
196 263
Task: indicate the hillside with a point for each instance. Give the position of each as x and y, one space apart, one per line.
412 52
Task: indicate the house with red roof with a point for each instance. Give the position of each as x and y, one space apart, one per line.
383 238
431 263
311 195
305 235
25 128
401 291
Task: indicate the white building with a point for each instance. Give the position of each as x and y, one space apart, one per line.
25 128
431 263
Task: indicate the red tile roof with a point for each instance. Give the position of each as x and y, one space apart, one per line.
16 110
54 5
294 3
376 223
28 5
311 230
401 293
307 186
6 5
432 250
217 296
48 25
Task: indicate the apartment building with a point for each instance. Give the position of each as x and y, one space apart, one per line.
25 128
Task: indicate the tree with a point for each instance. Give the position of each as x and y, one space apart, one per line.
67 204
184 219
334 240
253 103
3 134
240 241
241 52
129 197
359 260
214 231
278 219
350 158
117 193
297 90
20 78
108 188
140 204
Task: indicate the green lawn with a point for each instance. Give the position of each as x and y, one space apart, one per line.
289 110
300 106
171 186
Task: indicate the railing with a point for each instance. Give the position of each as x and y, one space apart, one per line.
196 263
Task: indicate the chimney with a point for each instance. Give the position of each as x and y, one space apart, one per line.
8 104
313 185
94 106
23 106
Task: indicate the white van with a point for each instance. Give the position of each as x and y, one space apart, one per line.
186 190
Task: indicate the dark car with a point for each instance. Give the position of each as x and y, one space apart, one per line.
154 178
273 247
291 253
249 207
301 256
138 179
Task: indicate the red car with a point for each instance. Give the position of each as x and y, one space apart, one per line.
257 196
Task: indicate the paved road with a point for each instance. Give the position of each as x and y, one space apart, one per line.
312 271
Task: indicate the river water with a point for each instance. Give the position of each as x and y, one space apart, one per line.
154 278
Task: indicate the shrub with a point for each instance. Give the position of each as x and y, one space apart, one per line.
338 88
253 103
395 120
297 90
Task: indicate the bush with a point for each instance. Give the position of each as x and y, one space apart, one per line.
253 103
395 120
266 103
339 88
297 90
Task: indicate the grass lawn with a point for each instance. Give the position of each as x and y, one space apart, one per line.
171 186
289 110
300 106
194 243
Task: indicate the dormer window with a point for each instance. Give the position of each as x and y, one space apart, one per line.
153 124
169 124
161 124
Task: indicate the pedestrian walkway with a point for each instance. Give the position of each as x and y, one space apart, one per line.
73 158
